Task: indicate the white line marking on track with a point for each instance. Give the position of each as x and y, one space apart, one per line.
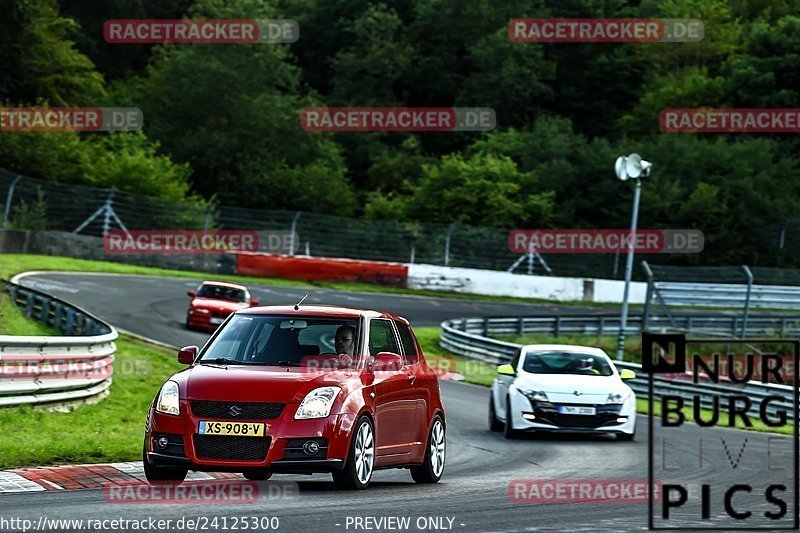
12 482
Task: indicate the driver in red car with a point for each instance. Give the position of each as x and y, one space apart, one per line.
344 341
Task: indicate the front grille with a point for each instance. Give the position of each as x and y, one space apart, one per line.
245 410
231 447
219 314
547 413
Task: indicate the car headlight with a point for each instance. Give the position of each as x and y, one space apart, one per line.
317 403
616 397
168 401
537 395
200 310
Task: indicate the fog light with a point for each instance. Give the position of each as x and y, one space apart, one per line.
310 447
528 416
622 419
162 442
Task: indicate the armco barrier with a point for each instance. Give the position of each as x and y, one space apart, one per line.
56 370
320 269
479 347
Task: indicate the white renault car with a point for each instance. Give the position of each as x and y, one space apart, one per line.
553 387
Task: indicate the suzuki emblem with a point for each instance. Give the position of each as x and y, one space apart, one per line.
234 411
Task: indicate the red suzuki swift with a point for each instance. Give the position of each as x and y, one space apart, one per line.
300 390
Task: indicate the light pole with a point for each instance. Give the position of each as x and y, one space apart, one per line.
631 167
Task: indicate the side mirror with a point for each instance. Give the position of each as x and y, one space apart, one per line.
626 373
388 361
191 294
187 355
254 303
506 370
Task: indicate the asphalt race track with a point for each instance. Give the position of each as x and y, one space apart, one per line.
474 491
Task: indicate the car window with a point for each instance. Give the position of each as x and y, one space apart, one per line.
264 340
218 292
556 362
407 339
381 337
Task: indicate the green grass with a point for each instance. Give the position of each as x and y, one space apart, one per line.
110 430
11 264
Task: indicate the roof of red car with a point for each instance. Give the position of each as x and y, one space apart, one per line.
315 310
224 284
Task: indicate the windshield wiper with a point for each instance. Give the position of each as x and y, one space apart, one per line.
222 361
283 363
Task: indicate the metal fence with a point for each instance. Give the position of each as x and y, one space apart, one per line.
60 369
30 203
467 338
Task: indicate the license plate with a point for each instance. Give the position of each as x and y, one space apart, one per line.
215 320
241 429
575 410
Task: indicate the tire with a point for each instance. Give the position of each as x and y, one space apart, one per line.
160 475
255 475
508 428
432 468
187 322
359 466
494 423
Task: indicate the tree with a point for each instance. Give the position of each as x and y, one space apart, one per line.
232 112
39 61
483 190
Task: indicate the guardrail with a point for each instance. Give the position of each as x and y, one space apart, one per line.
467 337
609 325
59 370
728 295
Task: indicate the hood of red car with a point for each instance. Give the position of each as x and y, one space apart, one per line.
225 306
256 383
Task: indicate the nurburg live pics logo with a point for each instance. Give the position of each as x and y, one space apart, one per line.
710 478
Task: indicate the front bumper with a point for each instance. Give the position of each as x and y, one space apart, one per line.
531 415
197 320
281 450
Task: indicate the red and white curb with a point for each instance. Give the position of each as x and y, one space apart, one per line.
85 477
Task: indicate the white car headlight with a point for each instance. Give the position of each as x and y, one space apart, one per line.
317 403
537 395
168 401
200 310
617 397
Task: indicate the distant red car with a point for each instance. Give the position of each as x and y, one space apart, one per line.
214 301
300 390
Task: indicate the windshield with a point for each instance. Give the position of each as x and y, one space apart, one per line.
556 362
218 292
308 342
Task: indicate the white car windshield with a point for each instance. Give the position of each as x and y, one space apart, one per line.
558 362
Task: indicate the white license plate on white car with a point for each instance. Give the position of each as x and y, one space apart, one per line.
576 410
215 320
